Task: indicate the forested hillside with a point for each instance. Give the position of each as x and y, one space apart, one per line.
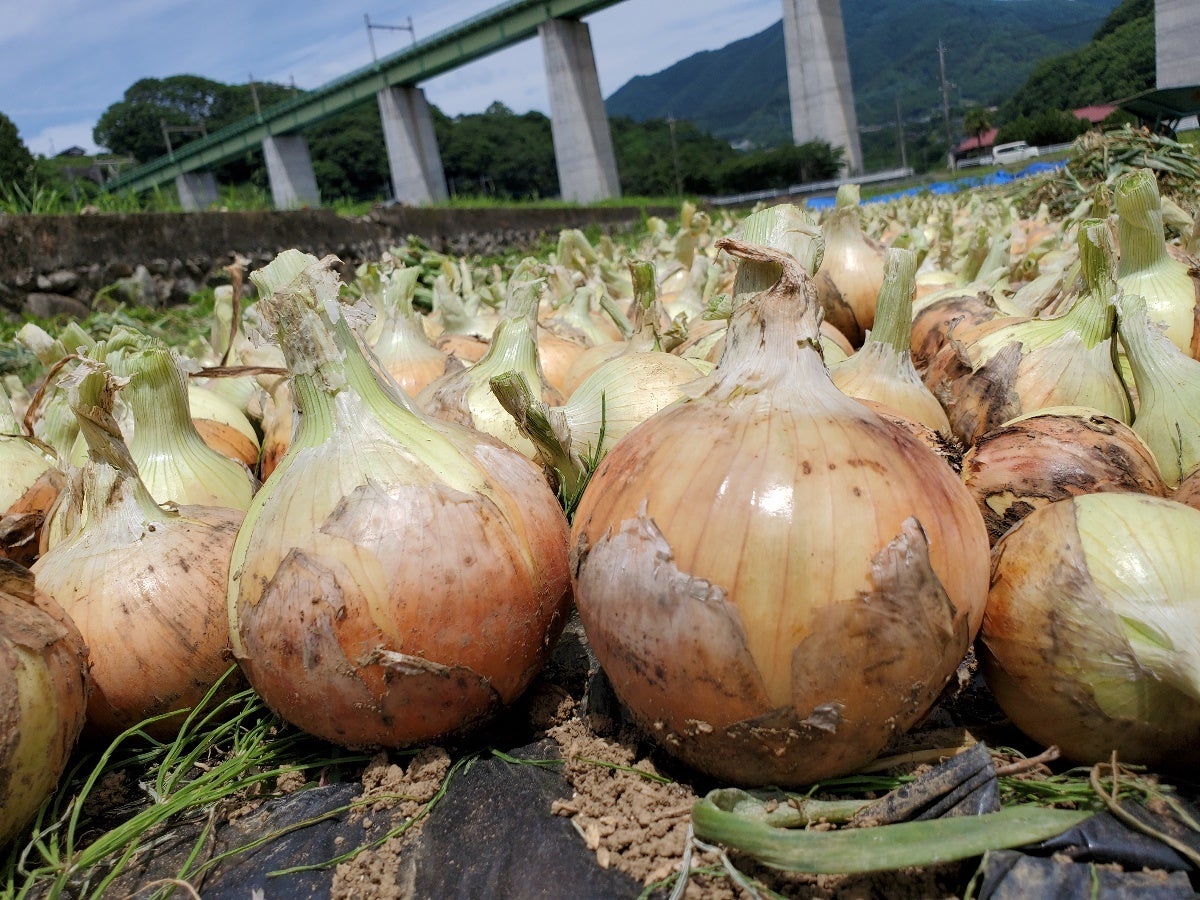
739 92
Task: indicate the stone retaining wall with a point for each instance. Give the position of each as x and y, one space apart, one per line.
57 264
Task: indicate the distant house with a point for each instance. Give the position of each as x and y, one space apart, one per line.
72 152
976 146
1095 114
980 147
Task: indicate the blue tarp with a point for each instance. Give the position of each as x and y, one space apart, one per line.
995 179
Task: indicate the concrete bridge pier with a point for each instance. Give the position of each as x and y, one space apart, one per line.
1177 35
818 70
412 151
587 168
197 190
290 171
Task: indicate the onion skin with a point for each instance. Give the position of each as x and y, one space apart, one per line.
1073 665
739 633
1188 491
1051 455
152 610
933 322
43 695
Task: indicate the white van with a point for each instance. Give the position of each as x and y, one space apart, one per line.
1012 152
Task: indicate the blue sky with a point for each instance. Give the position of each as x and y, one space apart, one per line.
66 61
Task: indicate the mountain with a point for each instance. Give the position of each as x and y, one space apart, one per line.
739 92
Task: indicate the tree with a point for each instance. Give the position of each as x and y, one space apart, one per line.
16 162
976 121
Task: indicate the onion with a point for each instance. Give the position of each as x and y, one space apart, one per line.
1170 287
851 272
1053 454
1091 639
1002 369
1168 387
465 397
43 695
398 578
396 336
144 583
171 457
736 597
933 321
882 370
223 425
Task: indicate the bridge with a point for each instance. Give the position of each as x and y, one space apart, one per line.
822 103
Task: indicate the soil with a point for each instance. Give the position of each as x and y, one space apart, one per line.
626 802
631 806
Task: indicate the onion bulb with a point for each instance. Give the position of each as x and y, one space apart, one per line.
740 598
1091 639
851 272
1053 454
43 696
145 583
396 336
398 578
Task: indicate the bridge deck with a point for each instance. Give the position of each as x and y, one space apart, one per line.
492 30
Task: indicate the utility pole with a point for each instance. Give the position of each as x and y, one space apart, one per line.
900 133
373 25
254 97
675 157
945 98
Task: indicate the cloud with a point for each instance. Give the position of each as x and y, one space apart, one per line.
57 138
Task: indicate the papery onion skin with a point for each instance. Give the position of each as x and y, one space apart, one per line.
775 611
933 321
1053 454
1091 640
152 611
43 696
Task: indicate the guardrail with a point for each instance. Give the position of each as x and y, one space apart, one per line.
810 187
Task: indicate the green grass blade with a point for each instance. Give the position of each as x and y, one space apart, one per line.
887 847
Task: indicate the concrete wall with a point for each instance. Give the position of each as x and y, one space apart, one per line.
1177 36
61 261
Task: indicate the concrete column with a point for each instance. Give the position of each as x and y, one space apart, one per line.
1177 39
587 168
412 150
818 70
197 190
290 171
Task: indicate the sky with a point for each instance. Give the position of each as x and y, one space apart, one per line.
64 62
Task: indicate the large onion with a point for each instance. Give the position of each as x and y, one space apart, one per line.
1092 635
144 583
776 580
398 577
43 694
1053 454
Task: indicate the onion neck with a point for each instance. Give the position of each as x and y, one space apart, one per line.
533 418
772 341
784 228
647 309
111 477
893 310
1140 230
